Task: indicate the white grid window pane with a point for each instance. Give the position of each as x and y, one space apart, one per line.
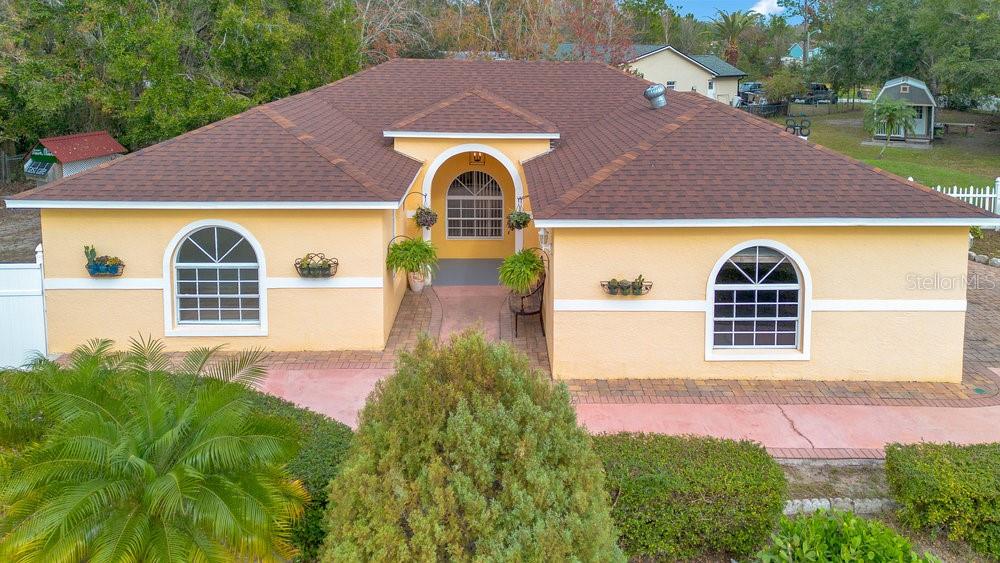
474 207
217 279
757 301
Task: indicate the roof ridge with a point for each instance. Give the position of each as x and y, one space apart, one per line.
582 187
325 152
762 123
514 109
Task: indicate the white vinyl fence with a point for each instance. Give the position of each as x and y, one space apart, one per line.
982 197
22 312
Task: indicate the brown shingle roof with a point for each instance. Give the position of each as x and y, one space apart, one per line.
82 146
616 157
474 111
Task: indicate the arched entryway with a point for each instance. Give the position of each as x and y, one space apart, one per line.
473 187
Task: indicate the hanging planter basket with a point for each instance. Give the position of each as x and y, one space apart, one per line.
316 265
638 286
102 269
425 217
518 220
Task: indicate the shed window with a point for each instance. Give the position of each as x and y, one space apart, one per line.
217 279
475 207
904 89
757 301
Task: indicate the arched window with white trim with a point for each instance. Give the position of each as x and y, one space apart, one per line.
474 207
757 301
217 278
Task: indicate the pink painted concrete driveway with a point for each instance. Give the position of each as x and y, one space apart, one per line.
806 429
337 393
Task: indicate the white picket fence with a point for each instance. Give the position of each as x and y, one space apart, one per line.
22 312
982 197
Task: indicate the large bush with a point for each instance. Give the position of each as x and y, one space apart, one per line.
678 497
467 454
838 536
323 443
950 487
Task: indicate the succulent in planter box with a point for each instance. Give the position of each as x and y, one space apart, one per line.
518 220
316 265
637 285
102 266
625 287
612 286
425 217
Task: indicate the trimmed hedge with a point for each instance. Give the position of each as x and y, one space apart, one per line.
950 487
838 536
323 445
678 497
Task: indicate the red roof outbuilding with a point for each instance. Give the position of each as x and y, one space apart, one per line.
82 146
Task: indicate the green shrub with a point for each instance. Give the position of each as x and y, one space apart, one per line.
323 446
677 497
838 536
467 454
949 487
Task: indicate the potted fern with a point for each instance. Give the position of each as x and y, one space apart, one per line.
521 271
518 220
416 257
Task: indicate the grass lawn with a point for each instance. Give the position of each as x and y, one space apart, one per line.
954 160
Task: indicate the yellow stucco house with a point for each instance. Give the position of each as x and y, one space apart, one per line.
769 257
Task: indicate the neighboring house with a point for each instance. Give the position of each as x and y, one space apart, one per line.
915 93
58 157
706 74
795 52
788 261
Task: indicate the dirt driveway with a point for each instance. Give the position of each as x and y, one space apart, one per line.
20 229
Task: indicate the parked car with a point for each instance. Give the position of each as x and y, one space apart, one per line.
749 90
817 93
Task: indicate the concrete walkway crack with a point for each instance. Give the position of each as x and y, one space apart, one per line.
795 428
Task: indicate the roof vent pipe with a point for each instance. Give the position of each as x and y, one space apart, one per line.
656 94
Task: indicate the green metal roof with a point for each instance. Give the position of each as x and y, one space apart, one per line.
721 68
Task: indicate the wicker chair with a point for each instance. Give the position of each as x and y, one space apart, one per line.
528 304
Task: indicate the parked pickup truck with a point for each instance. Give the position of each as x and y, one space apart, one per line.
817 93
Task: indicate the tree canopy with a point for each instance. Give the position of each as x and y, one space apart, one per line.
149 70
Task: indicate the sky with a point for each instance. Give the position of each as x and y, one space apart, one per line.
706 9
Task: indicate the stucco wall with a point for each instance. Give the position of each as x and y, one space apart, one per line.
883 303
315 317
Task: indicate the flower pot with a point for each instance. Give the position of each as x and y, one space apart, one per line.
625 289
417 281
612 288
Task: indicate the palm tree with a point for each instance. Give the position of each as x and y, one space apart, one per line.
138 463
889 116
729 26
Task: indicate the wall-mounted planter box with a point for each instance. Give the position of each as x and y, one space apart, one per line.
316 265
99 270
626 287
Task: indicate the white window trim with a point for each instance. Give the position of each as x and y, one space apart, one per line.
170 326
801 353
447 209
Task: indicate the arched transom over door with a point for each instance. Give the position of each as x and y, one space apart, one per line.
757 301
474 207
217 279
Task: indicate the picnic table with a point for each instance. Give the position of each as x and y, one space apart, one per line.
970 128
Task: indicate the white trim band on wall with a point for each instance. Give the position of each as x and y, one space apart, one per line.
157 283
818 305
